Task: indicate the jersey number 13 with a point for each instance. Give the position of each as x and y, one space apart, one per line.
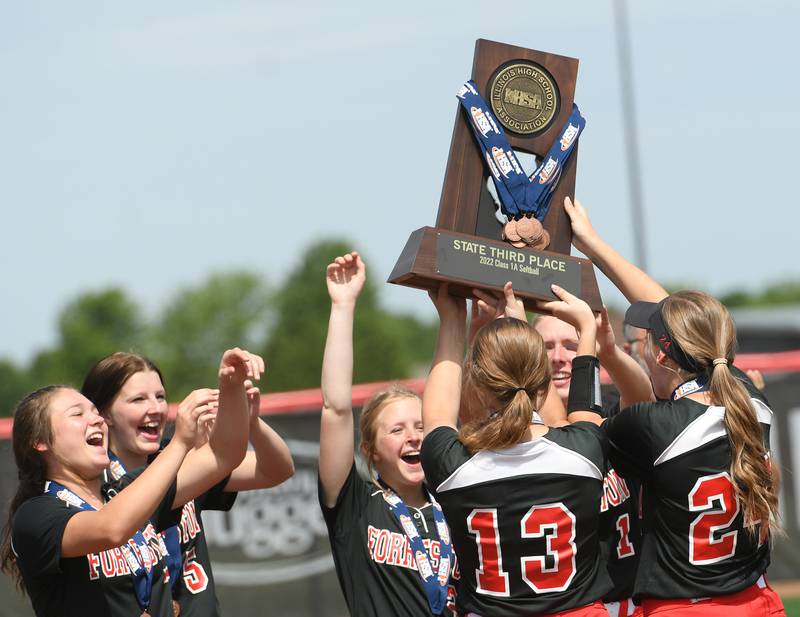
554 522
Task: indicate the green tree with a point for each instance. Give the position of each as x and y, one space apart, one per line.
784 292
13 386
227 310
90 327
386 345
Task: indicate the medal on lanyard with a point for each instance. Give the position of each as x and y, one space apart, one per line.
169 539
523 201
435 583
136 552
690 387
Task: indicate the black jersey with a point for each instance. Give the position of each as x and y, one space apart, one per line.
620 528
97 584
376 569
620 533
695 542
524 520
194 590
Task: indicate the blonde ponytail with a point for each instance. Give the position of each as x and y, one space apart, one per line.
704 329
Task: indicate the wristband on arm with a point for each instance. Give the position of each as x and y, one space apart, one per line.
584 387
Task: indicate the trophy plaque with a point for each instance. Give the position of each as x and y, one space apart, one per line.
530 93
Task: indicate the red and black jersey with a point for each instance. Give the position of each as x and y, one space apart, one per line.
620 533
620 528
524 520
374 563
695 542
195 590
95 584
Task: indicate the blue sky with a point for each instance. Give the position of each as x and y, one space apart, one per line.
147 144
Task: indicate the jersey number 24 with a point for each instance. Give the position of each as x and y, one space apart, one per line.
715 498
552 521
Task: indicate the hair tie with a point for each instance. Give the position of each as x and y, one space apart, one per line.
720 361
515 390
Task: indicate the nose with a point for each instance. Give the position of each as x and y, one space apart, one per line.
558 353
413 437
156 405
97 419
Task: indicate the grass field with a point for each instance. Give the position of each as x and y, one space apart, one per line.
792 606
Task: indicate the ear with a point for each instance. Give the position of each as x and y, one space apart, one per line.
107 418
668 363
40 446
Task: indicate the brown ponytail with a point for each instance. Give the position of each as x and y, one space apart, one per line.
506 373
31 426
705 330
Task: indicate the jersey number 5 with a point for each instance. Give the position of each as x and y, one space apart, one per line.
715 498
554 522
194 574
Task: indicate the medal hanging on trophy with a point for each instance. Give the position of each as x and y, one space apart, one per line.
524 201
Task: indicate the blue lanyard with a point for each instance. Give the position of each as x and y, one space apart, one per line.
140 561
691 387
173 554
518 194
435 583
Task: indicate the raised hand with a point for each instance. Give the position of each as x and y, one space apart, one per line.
196 414
203 399
571 309
451 309
583 233
238 365
505 304
757 378
479 317
606 342
253 400
345 277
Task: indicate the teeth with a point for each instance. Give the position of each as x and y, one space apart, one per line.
561 375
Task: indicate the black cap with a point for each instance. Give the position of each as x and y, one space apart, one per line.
647 315
639 313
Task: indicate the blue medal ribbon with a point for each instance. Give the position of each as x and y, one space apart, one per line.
435 583
518 193
173 554
138 557
700 384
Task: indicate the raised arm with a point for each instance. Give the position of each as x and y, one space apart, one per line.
207 465
345 278
628 376
442 396
635 284
575 311
117 521
269 462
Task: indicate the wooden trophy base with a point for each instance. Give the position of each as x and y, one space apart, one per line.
434 255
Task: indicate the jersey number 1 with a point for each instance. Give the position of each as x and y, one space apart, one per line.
554 522
715 498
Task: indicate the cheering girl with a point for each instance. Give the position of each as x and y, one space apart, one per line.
390 543
129 392
74 551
